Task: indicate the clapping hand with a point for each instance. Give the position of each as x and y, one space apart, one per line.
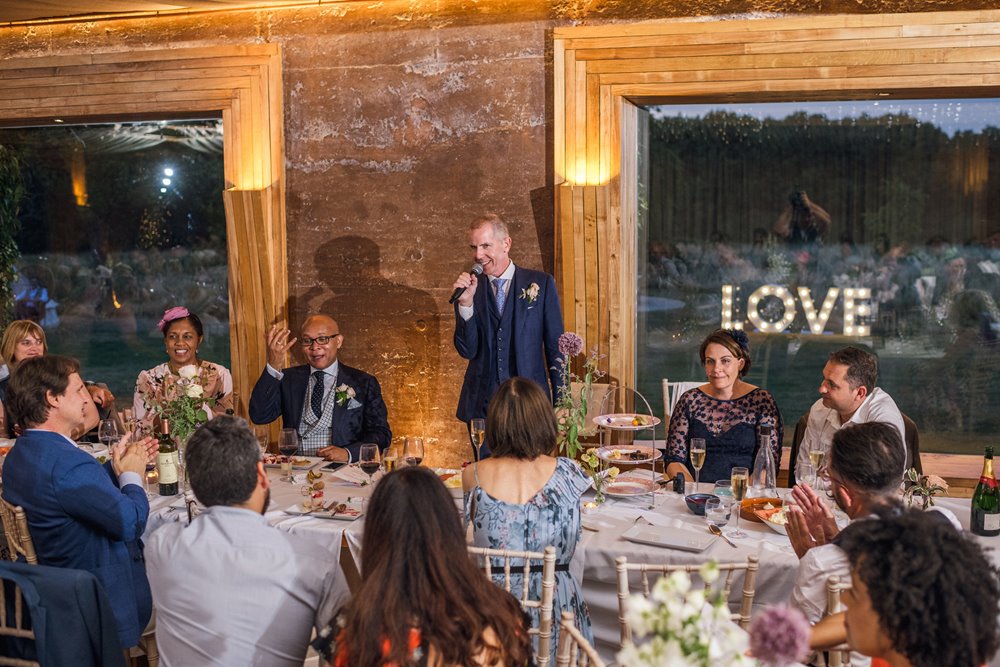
132 456
810 521
278 343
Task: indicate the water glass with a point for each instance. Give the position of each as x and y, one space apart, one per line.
716 513
805 473
723 488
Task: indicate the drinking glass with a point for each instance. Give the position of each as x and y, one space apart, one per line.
697 459
739 478
413 451
390 458
805 473
716 512
477 429
288 444
107 432
263 434
369 460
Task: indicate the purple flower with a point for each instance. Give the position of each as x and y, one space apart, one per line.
570 344
779 636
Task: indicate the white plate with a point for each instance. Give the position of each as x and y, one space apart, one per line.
94 449
670 538
352 513
619 454
310 461
779 528
627 488
623 421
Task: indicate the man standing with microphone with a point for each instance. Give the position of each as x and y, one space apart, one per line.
506 325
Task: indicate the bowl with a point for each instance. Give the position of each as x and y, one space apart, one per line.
696 502
749 505
774 518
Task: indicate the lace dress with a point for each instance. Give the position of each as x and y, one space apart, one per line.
550 517
729 428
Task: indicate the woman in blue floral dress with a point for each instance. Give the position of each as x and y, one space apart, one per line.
523 499
725 411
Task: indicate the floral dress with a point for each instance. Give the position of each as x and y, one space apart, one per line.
729 428
154 385
550 517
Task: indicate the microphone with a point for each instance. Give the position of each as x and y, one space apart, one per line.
476 270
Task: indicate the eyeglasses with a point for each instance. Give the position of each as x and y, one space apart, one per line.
322 340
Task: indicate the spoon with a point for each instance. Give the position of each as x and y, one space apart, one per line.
715 530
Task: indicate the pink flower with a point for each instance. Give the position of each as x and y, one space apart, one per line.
171 314
779 635
570 344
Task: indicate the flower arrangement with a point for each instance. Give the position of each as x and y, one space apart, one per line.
183 400
591 464
343 393
686 626
779 636
924 487
572 410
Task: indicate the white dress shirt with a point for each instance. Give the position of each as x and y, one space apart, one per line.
824 422
229 589
465 312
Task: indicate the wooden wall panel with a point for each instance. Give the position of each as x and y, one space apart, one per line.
241 83
602 71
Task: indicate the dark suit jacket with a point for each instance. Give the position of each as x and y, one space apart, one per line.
272 398
532 339
79 518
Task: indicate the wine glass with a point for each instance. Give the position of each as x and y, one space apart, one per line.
263 434
477 429
413 451
739 478
107 432
369 460
697 459
288 444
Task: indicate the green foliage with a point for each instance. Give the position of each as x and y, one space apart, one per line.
11 192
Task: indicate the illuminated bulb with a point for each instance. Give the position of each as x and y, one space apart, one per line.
738 326
848 292
728 302
168 172
848 330
166 181
163 189
754 300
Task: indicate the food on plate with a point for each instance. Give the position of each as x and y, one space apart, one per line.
629 454
639 420
278 459
313 475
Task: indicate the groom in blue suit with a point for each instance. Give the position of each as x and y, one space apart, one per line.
335 408
506 325
81 515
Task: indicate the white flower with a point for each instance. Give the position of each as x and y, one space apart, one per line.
531 293
188 372
709 572
194 390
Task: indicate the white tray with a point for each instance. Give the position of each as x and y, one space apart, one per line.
670 538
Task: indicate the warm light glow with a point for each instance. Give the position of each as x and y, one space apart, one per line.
114 300
753 309
168 171
817 321
78 177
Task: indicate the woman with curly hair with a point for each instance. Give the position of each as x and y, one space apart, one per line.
725 411
183 333
923 594
422 599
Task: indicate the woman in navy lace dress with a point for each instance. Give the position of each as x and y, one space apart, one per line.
725 411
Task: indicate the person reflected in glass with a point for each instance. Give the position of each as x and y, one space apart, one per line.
422 599
803 222
523 498
24 339
183 334
725 411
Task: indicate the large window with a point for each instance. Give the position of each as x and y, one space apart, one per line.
818 225
120 222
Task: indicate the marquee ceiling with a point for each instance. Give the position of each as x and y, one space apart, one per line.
29 10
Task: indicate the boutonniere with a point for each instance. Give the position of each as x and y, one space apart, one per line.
531 293
342 394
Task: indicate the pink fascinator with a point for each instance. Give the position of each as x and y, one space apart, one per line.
171 314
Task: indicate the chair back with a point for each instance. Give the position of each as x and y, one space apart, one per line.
729 570
671 392
574 650
15 527
836 656
912 439
14 621
793 453
547 561
599 392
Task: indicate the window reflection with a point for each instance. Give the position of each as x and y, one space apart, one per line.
818 225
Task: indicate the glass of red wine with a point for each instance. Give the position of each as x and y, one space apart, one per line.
413 451
369 460
288 444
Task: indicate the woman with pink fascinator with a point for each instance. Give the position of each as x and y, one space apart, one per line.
182 334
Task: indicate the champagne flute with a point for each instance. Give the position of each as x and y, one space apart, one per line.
389 459
816 456
740 478
697 459
288 444
263 434
477 429
413 451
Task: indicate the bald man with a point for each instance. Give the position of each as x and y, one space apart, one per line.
335 408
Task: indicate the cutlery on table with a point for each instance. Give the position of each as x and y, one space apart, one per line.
715 530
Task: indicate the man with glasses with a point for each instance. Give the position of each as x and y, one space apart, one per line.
334 407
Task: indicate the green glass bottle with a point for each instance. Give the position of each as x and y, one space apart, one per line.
985 518
167 461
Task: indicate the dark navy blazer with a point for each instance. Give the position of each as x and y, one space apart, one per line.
272 398
524 341
79 518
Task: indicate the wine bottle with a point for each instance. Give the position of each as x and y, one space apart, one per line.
985 518
166 461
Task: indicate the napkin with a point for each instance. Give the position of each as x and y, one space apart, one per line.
353 475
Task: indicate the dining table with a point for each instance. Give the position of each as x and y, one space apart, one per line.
601 541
